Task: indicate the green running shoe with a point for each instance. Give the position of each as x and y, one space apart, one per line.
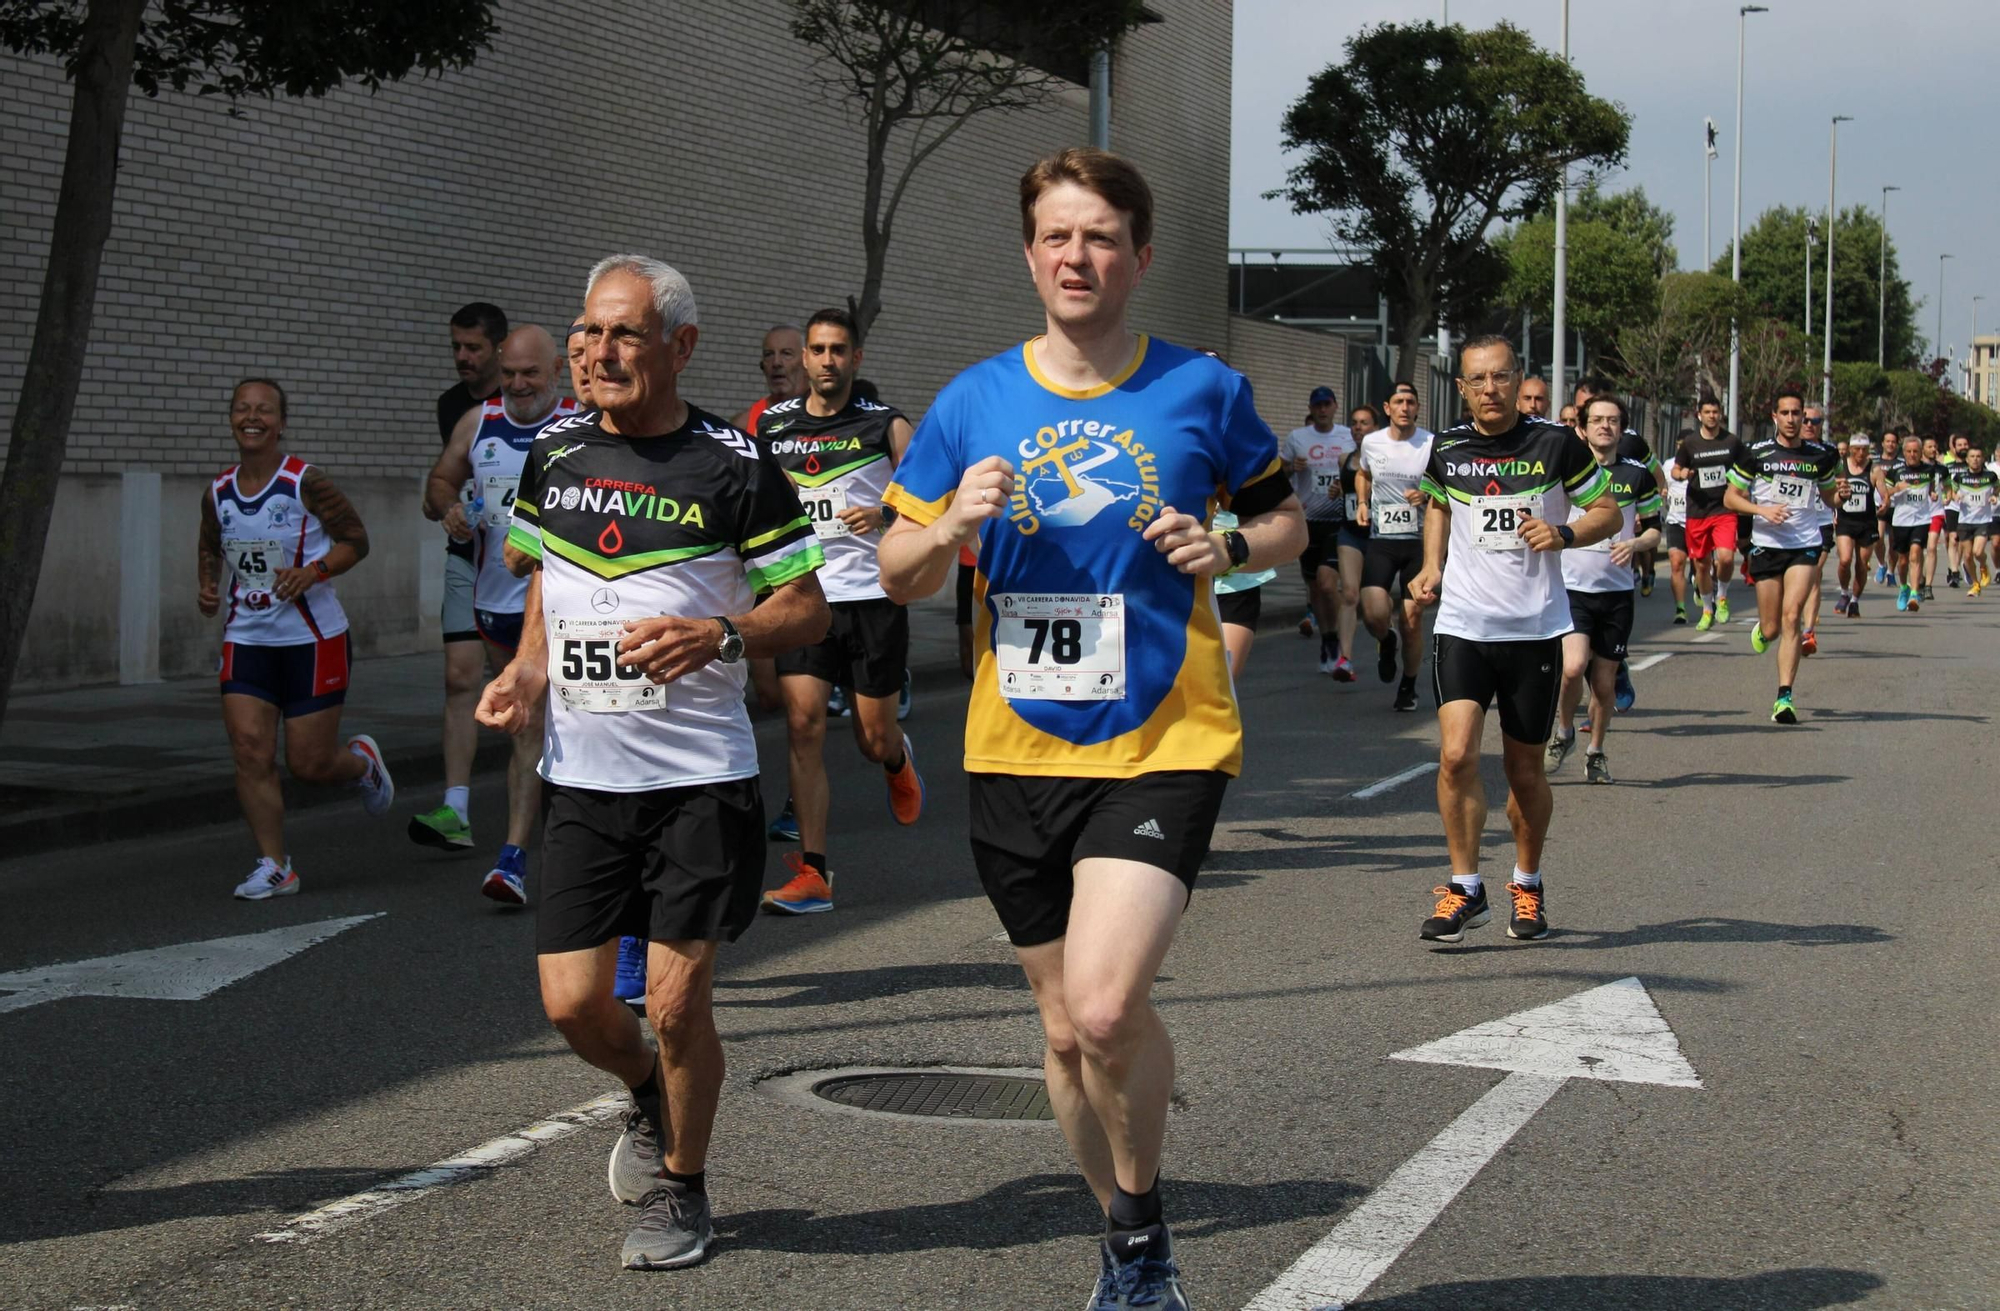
1721 610
441 828
1782 711
1758 642
1707 620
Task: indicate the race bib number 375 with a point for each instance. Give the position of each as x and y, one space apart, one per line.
584 673
1054 647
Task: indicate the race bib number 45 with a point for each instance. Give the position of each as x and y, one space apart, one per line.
1054 647
256 562
498 493
584 672
1496 521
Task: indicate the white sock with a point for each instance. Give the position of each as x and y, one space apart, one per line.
460 801
1466 883
1722 589
1526 879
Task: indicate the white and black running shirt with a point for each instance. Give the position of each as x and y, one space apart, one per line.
498 451
1319 486
692 524
1675 493
1912 506
1495 588
836 461
1591 568
1394 468
1772 473
1973 494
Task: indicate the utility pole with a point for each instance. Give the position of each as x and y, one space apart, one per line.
1882 284
1736 240
1826 368
1559 363
1937 344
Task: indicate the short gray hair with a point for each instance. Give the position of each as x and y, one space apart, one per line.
673 298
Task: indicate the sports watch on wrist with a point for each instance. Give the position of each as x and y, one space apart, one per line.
319 567
1238 547
730 649
1567 533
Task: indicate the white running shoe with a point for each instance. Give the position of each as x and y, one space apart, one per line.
269 879
378 790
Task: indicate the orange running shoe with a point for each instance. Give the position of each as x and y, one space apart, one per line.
1808 643
906 787
808 893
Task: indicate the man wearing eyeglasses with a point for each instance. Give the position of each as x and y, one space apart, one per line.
1813 430
1777 481
1498 494
1633 447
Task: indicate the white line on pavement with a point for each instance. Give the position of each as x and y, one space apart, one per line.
1394 780
1709 637
488 1155
1640 666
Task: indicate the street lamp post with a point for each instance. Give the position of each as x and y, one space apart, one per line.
1736 237
1937 343
1826 368
1812 238
1559 356
1882 284
1972 351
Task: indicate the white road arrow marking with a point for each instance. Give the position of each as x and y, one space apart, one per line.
1658 657
1394 780
187 971
1613 1032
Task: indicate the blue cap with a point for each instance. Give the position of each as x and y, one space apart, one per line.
1321 396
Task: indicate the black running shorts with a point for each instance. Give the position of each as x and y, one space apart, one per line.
1902 537
1353 537
962 594
865 649
1674 537
1605 618
1862 528
1826 537
1523 677
1770 562
673 865
1392 563
1974 529
1321 535
1241 608
1029 832
1951 519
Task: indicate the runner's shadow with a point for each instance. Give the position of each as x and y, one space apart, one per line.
1701 931
109 1210
1035 1209
835 987
1730 780
1806 1289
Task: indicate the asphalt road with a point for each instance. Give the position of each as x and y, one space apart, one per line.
1811 909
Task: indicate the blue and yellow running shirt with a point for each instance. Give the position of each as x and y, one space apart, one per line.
1097 658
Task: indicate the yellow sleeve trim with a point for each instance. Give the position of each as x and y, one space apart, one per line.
1089 393
922 513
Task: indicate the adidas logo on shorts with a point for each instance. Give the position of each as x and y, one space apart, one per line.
1150 829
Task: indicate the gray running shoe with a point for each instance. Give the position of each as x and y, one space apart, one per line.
1559 749
1595 769
675 1229
636 1158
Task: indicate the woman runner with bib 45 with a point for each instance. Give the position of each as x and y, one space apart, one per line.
284 532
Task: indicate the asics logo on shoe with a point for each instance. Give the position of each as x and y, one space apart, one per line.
1150 829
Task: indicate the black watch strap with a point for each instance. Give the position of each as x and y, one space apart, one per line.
1238 547
1567 533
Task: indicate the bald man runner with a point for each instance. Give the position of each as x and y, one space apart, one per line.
489 446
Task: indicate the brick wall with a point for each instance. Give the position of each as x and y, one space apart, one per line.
1284 364
325 242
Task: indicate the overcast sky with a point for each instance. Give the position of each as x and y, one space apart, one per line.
1670 62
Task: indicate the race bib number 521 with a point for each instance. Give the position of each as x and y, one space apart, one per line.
1054 647
584 672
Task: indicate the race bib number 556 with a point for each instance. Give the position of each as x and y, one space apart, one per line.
584 672
1054 647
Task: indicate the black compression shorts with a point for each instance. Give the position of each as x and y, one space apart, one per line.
1523 677
866 648
1392 563
1241 608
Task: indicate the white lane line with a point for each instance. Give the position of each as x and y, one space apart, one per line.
1709 637
1341 1266
1640 666
453 1169
1394 780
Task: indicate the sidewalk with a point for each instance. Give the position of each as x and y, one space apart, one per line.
97 764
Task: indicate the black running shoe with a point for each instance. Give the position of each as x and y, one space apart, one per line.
1456 912
1406 694
1385 656
1528 921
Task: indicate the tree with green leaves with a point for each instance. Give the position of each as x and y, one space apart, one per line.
1632 215
1612 280
1774 276
1669 356
231 48
1423 140
915 73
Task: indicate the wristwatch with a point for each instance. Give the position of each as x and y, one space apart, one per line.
1567 533
319 567
1238 547
730 649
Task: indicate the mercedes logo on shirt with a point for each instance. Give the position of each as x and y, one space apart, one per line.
604 600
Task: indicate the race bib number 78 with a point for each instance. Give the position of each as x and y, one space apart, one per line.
1052 647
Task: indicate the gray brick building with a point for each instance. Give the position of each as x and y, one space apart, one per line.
324 243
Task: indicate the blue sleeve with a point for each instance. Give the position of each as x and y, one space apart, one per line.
932 466
1249 447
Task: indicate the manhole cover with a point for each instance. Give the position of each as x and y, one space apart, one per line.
948 1096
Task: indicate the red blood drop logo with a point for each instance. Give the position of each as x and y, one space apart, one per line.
812 462
611 541
1492 487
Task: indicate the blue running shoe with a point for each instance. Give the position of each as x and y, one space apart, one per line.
1148 1279
630 984
836 703
903 699
507 881
1903 598
1624 695
785 828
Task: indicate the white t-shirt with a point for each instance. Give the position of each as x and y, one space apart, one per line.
1395 467
1318 486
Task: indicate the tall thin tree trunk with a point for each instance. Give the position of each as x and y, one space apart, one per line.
103 75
